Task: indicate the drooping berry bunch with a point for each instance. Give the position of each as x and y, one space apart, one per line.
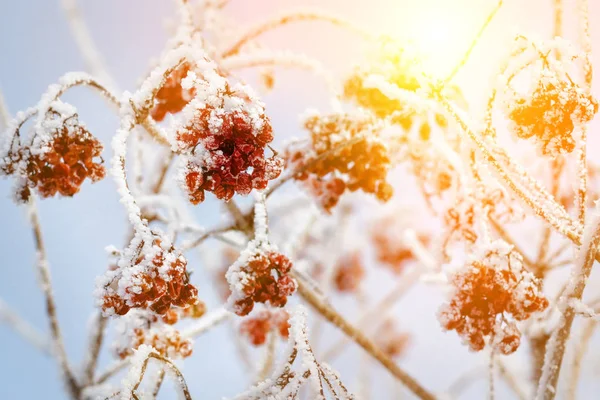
349 273
151 274
551 113
171 98
141 327
490 293
257 327
344 154
259 277
62 154
224 140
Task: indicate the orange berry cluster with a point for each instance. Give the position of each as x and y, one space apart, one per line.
264 278
171 98
487 293
332 166
257 327
349 273
153 277
67 157
551 112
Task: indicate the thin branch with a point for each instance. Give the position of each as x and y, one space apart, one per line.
555 349
23 328
46 285
4 113
288 17
361 339
95 344
87 47
465 57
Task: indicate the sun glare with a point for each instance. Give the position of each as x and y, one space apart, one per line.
440 34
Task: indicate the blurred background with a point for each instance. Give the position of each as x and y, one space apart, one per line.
36 48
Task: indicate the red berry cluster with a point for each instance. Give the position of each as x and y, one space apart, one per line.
487 293
154 277
171 98
551 112
67 157
349 273
227 153
257 327
332 166
262 278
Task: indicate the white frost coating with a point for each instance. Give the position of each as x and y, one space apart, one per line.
565 301
136 369
308 369
119 146
207 322
393 92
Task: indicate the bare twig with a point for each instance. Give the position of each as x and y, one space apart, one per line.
46 285
474 42
361 339
23 328
293 16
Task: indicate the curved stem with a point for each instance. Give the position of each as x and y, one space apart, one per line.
292 16
46 285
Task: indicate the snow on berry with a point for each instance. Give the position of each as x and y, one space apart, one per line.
344 153
491 293
60 156
151 274
141 327
261 273
171 98
223 139
551 113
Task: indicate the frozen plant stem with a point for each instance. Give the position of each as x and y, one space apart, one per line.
555 349
361 339
46 285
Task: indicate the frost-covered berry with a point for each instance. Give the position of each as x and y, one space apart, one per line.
171 98
551 113
490 293
262 277
141 327
60 157
151 274
330 166
223 142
